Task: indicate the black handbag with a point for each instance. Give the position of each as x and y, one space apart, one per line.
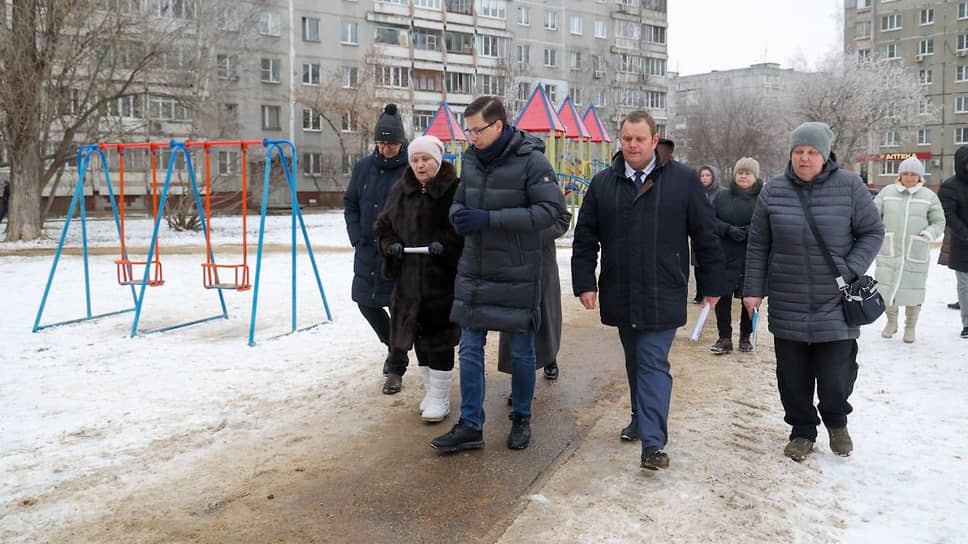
862 303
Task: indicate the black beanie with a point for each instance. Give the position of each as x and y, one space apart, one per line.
389 127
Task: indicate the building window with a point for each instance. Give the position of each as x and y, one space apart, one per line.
926 77
349 33
347 123
889 168
426 39
351 77
348 162
961 135
927 16
458 82
310 29
600 31
863 30
891 22
491 46
269 23
522 54
496 9
962 42
628 30
655 67
229 111
891 51
925 106
392 35
889 138
552 91
312 164
963 10
270 70
490 85
655 100
225 162
227 66
166 108
924 136
863 55
459 42
427 4
127 107
271 118
598 66
310 73
926 47
628 64
551 20
575 94
574 60
961 104
421 120
550 57
655 34
393 76
961 73
523 90
863 4
524 15
574 24
427 80
312 121
602 99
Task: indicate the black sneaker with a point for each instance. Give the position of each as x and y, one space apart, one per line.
964 332
551 370
631 431
520 435
461 436
745 346
654 458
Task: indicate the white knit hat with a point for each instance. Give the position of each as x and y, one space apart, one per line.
430 145
912 165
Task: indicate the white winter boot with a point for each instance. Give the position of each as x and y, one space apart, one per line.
891 327
910 322
425 372
438 401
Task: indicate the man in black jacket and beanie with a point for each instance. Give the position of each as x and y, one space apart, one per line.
508 194
370 183
641 213
954 199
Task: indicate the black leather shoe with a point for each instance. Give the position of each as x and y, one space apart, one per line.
551 370
461 436
393 384
955 306
631 431
520 435
654 458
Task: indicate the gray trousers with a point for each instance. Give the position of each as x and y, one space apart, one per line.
962 278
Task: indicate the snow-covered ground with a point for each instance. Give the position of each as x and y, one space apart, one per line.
83 404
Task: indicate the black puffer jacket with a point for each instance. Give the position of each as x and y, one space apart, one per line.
734 208
370 183
785 263
644 242
498 286
415 216
954 199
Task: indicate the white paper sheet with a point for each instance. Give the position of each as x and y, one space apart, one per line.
700 321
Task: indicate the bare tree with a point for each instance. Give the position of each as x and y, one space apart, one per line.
65 64
857 98
725 124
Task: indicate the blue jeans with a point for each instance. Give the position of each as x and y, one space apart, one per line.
647 368
472 384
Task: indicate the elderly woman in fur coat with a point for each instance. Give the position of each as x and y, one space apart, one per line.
416 216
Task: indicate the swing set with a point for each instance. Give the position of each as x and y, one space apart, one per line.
233 276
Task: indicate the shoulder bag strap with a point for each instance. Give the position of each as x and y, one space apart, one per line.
841 283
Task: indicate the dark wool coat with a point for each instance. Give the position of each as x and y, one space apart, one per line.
644 238
498 277
785 263
370 183
954 199
415 216
734 207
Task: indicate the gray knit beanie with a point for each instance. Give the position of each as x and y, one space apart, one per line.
389 127
749 164
815 134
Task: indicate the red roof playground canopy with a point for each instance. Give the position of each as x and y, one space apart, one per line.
539 115
575 128
444 125
595 126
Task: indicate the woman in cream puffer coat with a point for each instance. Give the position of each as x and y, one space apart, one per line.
913 218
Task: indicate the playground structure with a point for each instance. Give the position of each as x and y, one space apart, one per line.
153 272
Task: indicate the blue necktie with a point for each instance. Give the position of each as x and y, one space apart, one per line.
638 180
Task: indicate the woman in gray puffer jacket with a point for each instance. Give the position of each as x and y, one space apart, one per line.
815 348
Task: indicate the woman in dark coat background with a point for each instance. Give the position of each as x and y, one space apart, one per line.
734 210
710 178
416 215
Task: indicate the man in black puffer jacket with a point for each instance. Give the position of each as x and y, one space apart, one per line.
370 183
954 199
508 194
642 212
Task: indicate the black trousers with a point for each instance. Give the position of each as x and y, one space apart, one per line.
437 360
724 317
379 319
831 368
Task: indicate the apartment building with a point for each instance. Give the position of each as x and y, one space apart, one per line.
932 38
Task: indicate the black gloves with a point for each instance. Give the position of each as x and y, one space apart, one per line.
470 220
435 248
395 250
736 233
